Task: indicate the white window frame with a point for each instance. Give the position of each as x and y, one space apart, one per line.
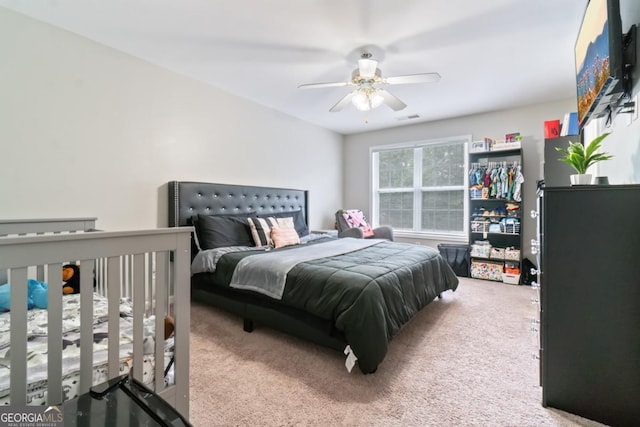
461 236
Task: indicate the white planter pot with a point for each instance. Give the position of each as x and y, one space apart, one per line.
580 179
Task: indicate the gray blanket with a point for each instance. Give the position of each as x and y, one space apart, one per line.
267 273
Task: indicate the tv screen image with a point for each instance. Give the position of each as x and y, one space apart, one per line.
598 55
594 71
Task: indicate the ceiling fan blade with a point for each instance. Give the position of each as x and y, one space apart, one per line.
319 85
413 78
343 102
391 100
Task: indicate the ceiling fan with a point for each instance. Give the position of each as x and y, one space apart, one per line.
367 95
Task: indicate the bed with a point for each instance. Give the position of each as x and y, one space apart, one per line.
131 284
348 294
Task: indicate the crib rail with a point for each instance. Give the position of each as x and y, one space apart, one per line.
35 226
160 255
46 225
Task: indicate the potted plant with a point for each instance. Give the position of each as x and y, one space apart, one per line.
581 157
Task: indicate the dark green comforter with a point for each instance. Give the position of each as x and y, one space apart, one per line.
368 294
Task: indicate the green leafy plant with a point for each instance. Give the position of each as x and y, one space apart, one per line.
580 157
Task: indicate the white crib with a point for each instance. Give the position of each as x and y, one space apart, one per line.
151 267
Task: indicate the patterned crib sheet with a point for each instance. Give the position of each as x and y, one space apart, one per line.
37 348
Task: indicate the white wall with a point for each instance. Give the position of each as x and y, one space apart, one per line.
624 141
86 130
529 121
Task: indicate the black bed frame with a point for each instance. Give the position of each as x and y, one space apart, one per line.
188 199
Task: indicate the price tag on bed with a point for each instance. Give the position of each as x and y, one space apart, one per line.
351 358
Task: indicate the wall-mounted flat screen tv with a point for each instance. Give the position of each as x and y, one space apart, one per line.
599 60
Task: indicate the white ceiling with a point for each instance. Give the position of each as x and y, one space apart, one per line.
491 54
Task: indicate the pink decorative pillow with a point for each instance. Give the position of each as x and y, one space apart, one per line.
355 218
286 222
284 237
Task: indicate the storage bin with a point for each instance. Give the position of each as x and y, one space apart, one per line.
479 226
511 270
510 226
487 270
511 267
497 253
512 254
512 279
481 250
457 256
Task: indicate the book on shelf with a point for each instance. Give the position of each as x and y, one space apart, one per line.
570 124
551 129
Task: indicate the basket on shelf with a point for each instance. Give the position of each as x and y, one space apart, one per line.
511 273
486 270
512 279
479 226
496 253
481 249
510 226
512 254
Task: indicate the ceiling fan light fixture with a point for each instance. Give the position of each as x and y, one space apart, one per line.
367 99
367 68
360 101
376 99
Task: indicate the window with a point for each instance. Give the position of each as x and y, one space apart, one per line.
420 188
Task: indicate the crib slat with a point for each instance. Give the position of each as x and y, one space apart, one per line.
40 273
151 280
162 265
86 326
113 297
138 314
54 335
18 280
100 276
127 276
181 308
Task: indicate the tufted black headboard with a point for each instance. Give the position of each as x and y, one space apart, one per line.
188 199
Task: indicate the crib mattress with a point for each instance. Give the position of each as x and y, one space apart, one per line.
37 348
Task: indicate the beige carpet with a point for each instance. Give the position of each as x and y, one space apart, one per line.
464 360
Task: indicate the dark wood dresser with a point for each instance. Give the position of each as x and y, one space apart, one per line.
589 277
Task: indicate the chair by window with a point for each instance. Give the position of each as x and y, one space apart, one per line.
352 223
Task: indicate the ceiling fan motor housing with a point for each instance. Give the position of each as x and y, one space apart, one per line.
357 78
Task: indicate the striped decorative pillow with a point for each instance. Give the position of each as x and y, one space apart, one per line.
261 230
284 237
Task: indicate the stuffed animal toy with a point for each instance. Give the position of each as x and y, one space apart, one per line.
36 295
169 327
70 279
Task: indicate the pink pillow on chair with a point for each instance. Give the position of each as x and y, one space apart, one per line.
355 218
